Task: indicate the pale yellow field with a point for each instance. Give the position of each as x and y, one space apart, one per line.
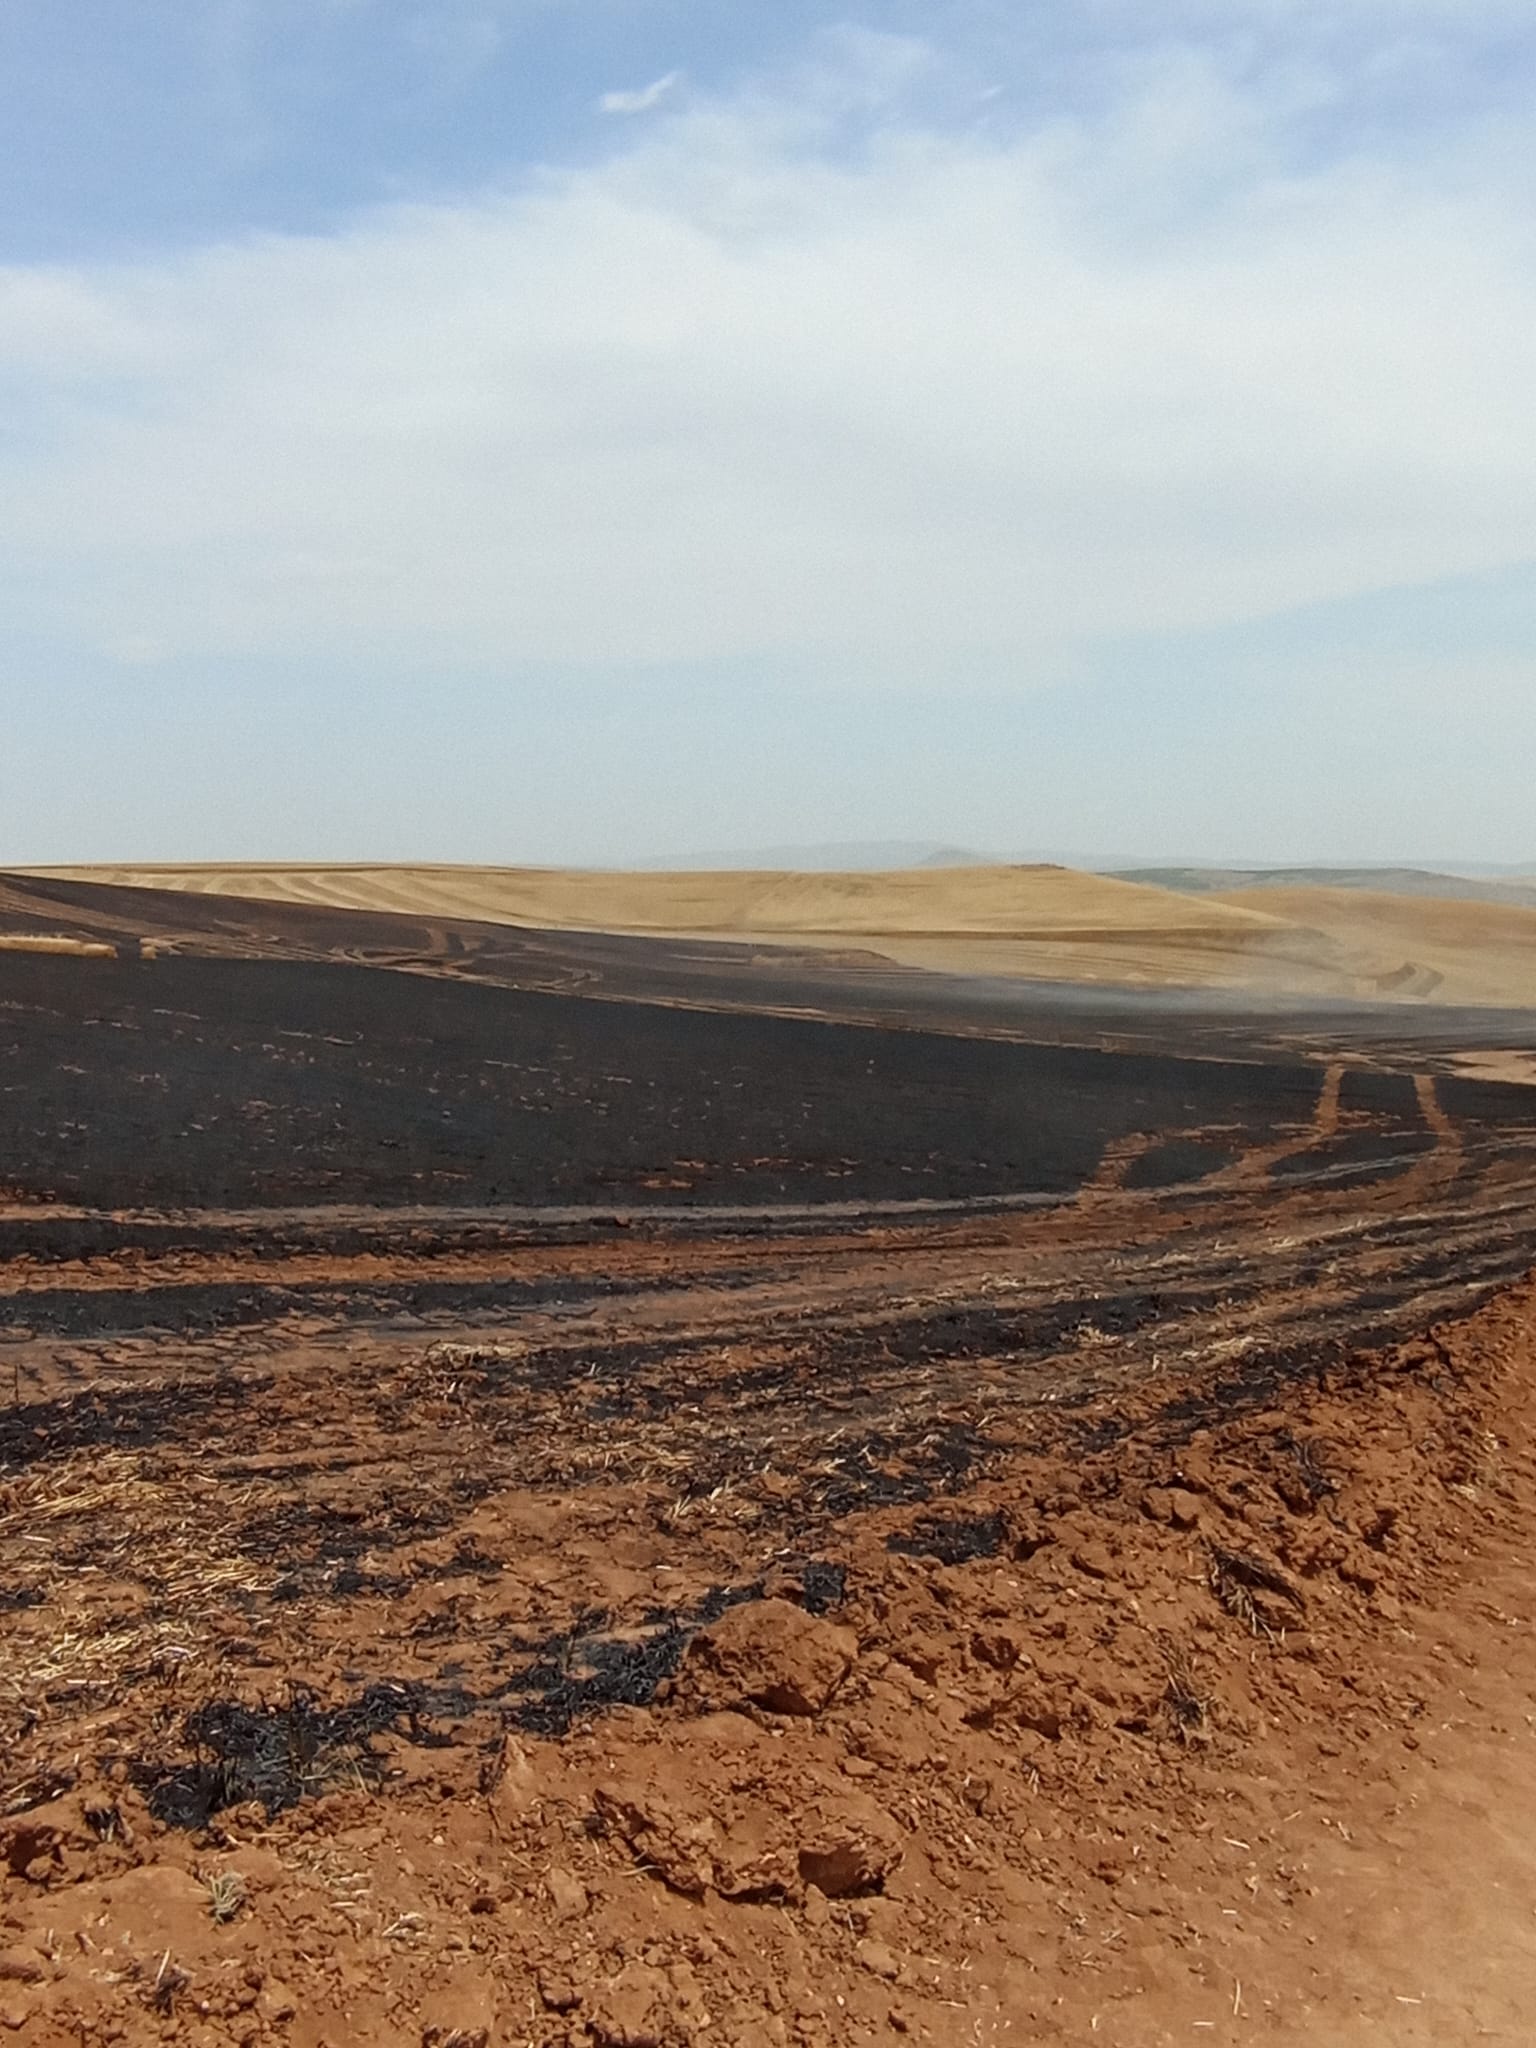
1457 952
1008 902
54 942
1046 923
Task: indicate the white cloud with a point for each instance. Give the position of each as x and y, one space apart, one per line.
928 405
643 100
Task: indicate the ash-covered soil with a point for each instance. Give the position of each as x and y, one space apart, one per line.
514 1529
193 1083
196 1083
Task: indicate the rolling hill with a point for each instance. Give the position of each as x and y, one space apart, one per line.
1041 922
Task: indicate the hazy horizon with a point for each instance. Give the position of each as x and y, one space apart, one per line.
861 856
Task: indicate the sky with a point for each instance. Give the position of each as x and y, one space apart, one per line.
595 430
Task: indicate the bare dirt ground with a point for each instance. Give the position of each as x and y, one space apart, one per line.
1080 1597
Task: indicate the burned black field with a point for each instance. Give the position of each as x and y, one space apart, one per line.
192 1083
198 1144
700 1234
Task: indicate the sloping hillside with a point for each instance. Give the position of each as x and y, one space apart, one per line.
1005 902
1507 889
1451 950
1047 924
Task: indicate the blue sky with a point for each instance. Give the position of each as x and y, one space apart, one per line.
592 429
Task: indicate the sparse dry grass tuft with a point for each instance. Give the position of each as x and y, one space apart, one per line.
1185 1704
136 1524
98 1484
226 1895
1240 1582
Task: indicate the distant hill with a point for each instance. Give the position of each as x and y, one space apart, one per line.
1187 873
1013 903
1447 888
880 856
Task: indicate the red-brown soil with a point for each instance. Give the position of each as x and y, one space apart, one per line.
1103 1619
1128 1686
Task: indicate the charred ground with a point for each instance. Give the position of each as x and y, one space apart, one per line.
200 1083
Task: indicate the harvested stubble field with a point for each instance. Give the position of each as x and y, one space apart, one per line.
1052 923
531 1518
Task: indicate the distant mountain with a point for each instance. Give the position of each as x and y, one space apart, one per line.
850 856
1465 888
829 857
1191 875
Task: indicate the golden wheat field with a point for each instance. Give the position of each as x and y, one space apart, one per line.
1039 922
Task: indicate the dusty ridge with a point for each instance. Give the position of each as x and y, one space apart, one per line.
1452 949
